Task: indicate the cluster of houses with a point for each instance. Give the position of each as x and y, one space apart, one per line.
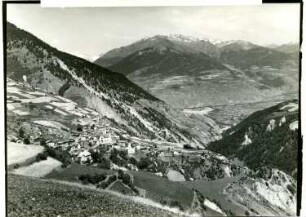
94 136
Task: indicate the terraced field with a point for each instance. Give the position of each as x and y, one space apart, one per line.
41 198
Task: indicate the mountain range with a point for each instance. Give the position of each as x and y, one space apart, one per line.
171 67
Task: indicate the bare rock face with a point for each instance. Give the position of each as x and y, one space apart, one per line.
272 195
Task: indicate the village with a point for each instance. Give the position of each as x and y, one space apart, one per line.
74 134
101 136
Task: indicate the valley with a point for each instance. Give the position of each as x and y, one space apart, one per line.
195 138
83 146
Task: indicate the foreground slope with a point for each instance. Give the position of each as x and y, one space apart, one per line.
35 197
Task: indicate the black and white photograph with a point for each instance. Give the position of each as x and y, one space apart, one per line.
152 111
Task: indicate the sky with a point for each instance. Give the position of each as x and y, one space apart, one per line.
89 32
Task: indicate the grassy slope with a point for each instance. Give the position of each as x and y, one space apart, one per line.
72 172
159 188
34 197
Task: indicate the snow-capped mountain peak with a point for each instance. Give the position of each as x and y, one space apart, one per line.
182 38
246 45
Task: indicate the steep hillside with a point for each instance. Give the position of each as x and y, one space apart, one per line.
266 138
111 94
268 192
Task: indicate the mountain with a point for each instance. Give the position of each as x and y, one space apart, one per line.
239 53
171 67
109 93
164 62
290 48
235 45
266 138
258 56
160 42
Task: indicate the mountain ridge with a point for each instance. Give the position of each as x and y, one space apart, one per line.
268 137
176 66
93 86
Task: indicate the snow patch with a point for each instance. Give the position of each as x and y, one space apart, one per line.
227 171
204 111
271 125
212 206
282 121
10 107
37 100
36 93
158 174
221 157
81 80
175 176
52 124
147 124
49 107
246 141
294 125
60 112
21 113
291 107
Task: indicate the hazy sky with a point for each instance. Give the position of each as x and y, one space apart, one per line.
92 31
